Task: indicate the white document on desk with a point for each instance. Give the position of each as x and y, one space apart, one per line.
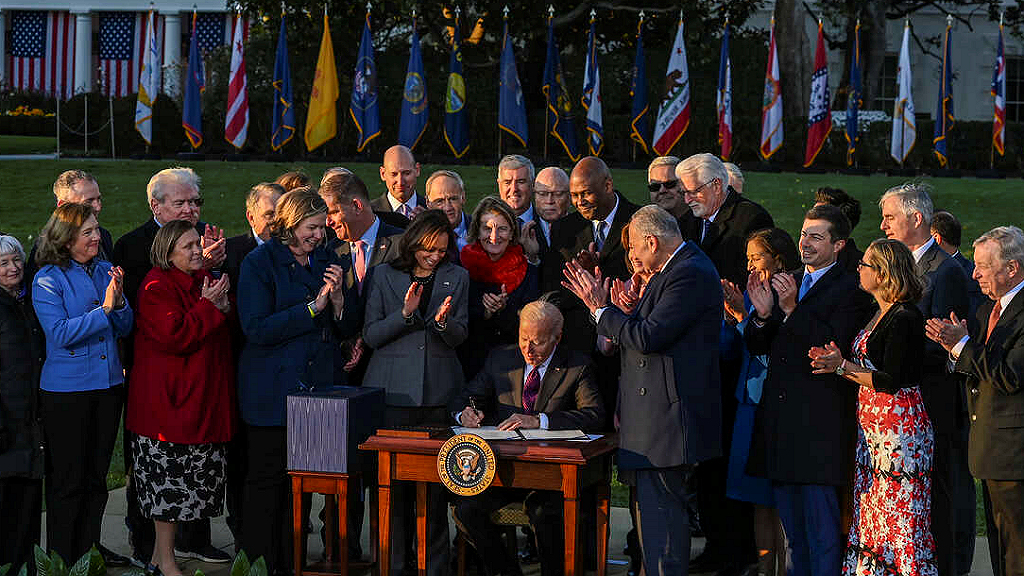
488 432
539 434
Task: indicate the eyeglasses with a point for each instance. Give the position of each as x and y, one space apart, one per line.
697 190
670 185
551 193
865 264
179 204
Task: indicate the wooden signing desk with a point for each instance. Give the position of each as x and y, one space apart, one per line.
563 466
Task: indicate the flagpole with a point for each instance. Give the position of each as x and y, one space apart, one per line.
992 141
551 14
504 17
903 116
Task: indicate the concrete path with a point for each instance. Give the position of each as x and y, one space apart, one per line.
115 537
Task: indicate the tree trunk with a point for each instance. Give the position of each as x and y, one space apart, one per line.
872 50
796 56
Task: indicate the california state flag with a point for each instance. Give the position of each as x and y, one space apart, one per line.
674 112
819 116
771 107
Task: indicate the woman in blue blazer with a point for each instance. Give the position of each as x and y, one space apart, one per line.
79 300
294 314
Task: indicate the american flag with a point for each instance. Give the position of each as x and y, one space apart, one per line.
122 41
211 32
43 52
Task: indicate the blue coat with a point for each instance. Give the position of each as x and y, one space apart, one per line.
81 341
286 349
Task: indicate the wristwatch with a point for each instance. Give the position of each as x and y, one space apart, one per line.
839 369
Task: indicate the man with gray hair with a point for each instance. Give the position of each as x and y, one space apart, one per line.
992 358
259 212
173 194
446 192
669 416
736 178
720 219
550 200
907 217
664 186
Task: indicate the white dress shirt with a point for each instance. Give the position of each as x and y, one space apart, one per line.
1004 301
919 252
608 221
395 203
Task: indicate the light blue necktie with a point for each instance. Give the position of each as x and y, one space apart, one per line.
805 285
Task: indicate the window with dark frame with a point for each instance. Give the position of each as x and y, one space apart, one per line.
1014 88
887 90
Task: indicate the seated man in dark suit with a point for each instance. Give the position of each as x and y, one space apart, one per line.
992 358
538 385
259 212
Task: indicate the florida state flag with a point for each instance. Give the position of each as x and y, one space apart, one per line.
819 116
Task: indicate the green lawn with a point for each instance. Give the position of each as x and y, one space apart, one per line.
28 144
26 199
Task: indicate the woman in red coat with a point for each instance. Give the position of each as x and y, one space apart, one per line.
181 399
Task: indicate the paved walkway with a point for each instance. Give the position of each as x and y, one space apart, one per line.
115 537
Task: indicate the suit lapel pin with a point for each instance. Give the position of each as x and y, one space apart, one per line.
447 284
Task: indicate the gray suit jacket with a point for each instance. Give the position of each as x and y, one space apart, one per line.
568 393
414 360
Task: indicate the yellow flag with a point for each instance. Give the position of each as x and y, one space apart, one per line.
322 121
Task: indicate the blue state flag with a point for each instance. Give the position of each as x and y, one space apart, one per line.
944 108
591 99
363 106
283 122
640 125
195 83
511 107
455 130
853 99
559 105
413 122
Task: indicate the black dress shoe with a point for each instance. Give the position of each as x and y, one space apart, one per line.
112 559
706 563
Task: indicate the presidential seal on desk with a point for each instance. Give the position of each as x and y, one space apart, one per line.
466 464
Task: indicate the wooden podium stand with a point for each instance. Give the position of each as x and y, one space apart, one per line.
562 466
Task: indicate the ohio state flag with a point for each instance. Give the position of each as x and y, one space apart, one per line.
819 115
674 112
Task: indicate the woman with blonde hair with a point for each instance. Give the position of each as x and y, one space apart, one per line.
890 533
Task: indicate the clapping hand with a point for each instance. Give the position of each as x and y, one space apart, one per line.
626 295
441 318
528 239
217 292
412 299
590 258
357 354
214 244
113 299
590 288
733 301
760 293
785 287
334 277
825 359
946 332
494 303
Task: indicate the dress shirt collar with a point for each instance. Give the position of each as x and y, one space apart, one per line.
817 274
1005 299
672 255
526 216
545 228
256 237
461 231
395 203
919 252
542 369
368 238
608 219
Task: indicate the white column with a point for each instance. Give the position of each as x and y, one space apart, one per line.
3 42
172 53
83 52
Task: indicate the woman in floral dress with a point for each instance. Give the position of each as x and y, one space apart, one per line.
890 533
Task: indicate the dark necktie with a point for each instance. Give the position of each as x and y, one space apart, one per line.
599 234
993 319
705 229
531 389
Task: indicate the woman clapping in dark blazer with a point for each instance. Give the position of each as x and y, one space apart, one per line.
890 533
416 314
292 310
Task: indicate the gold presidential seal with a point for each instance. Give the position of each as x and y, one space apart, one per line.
466 464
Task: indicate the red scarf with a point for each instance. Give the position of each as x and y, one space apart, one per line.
509 270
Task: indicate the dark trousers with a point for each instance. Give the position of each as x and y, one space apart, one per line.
235 484
80 429
943 517
545 511
810 517
266 512
662 498
21 510
1004 517
964 504
728 524
403 499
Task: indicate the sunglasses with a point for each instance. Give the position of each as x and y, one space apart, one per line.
670 185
